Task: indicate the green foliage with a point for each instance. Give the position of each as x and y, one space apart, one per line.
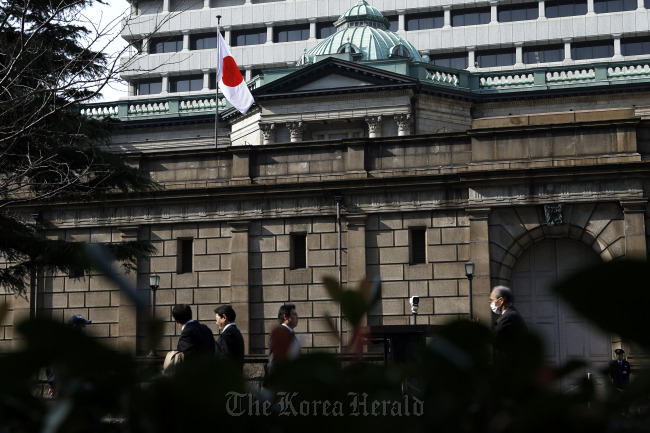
454 383
49 152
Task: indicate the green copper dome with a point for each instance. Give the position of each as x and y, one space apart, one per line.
363 31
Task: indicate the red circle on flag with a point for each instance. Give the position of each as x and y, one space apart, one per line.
231 75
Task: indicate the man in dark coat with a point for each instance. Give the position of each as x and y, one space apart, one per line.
509 324
230 343
619 370
195 337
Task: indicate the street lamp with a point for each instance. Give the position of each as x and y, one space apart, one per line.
154 283
469 273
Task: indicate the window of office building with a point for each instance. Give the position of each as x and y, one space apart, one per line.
184 255
433 20
393 22
453 60
248 37
298 250
190 83
324 30
518 12
635 46
494 58
605 6
592 50
470 17
563 8
291 33
543 54
418 243
646 4
170 44
204 41
148 87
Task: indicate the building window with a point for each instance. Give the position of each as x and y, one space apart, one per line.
393 22
563 8
248 37
635 46
453 60
646 4
148 87
185 255
186 84
169 44
298 250
435 20
418 242
291 33
519 12
592 50
324 30
471 17
493 58
606 6
204 41
543 54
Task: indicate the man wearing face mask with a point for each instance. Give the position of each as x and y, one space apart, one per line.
510 324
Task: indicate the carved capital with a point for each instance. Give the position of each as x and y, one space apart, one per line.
374 126
296 130
404 122
267 130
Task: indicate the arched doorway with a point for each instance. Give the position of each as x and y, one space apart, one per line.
566 335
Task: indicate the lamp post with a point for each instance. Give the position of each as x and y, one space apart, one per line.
154 283
469 273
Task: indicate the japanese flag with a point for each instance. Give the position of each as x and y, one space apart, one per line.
230 81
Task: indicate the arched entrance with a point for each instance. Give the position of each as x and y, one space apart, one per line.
566 335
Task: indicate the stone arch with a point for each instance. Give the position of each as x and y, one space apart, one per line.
512 230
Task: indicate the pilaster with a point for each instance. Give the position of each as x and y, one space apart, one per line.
635 237
128 313
479 253
239 277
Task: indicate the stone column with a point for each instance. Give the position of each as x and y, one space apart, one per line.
145 45
206 4
447 16
494 16
519 54
127 311
186 39
640 4
374 126
567 50
479 253
165 8
269 32
206 80
227 35
239 269
542 9
590 7
356 248
471 59
635 240
404 123
296 129
401 20
617 47
267 130
312 29
165 83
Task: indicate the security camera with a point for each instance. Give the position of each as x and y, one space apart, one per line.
415 304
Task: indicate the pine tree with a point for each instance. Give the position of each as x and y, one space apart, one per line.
49 151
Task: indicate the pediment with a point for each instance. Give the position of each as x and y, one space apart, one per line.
333 75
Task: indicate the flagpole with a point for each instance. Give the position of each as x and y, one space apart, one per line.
216 98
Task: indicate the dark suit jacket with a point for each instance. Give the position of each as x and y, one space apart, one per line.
196 338
620 373
509 326
231 345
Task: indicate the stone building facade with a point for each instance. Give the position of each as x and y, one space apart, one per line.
529 176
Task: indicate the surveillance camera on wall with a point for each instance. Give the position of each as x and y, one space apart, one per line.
415 304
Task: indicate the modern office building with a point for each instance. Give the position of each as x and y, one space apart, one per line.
512 135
